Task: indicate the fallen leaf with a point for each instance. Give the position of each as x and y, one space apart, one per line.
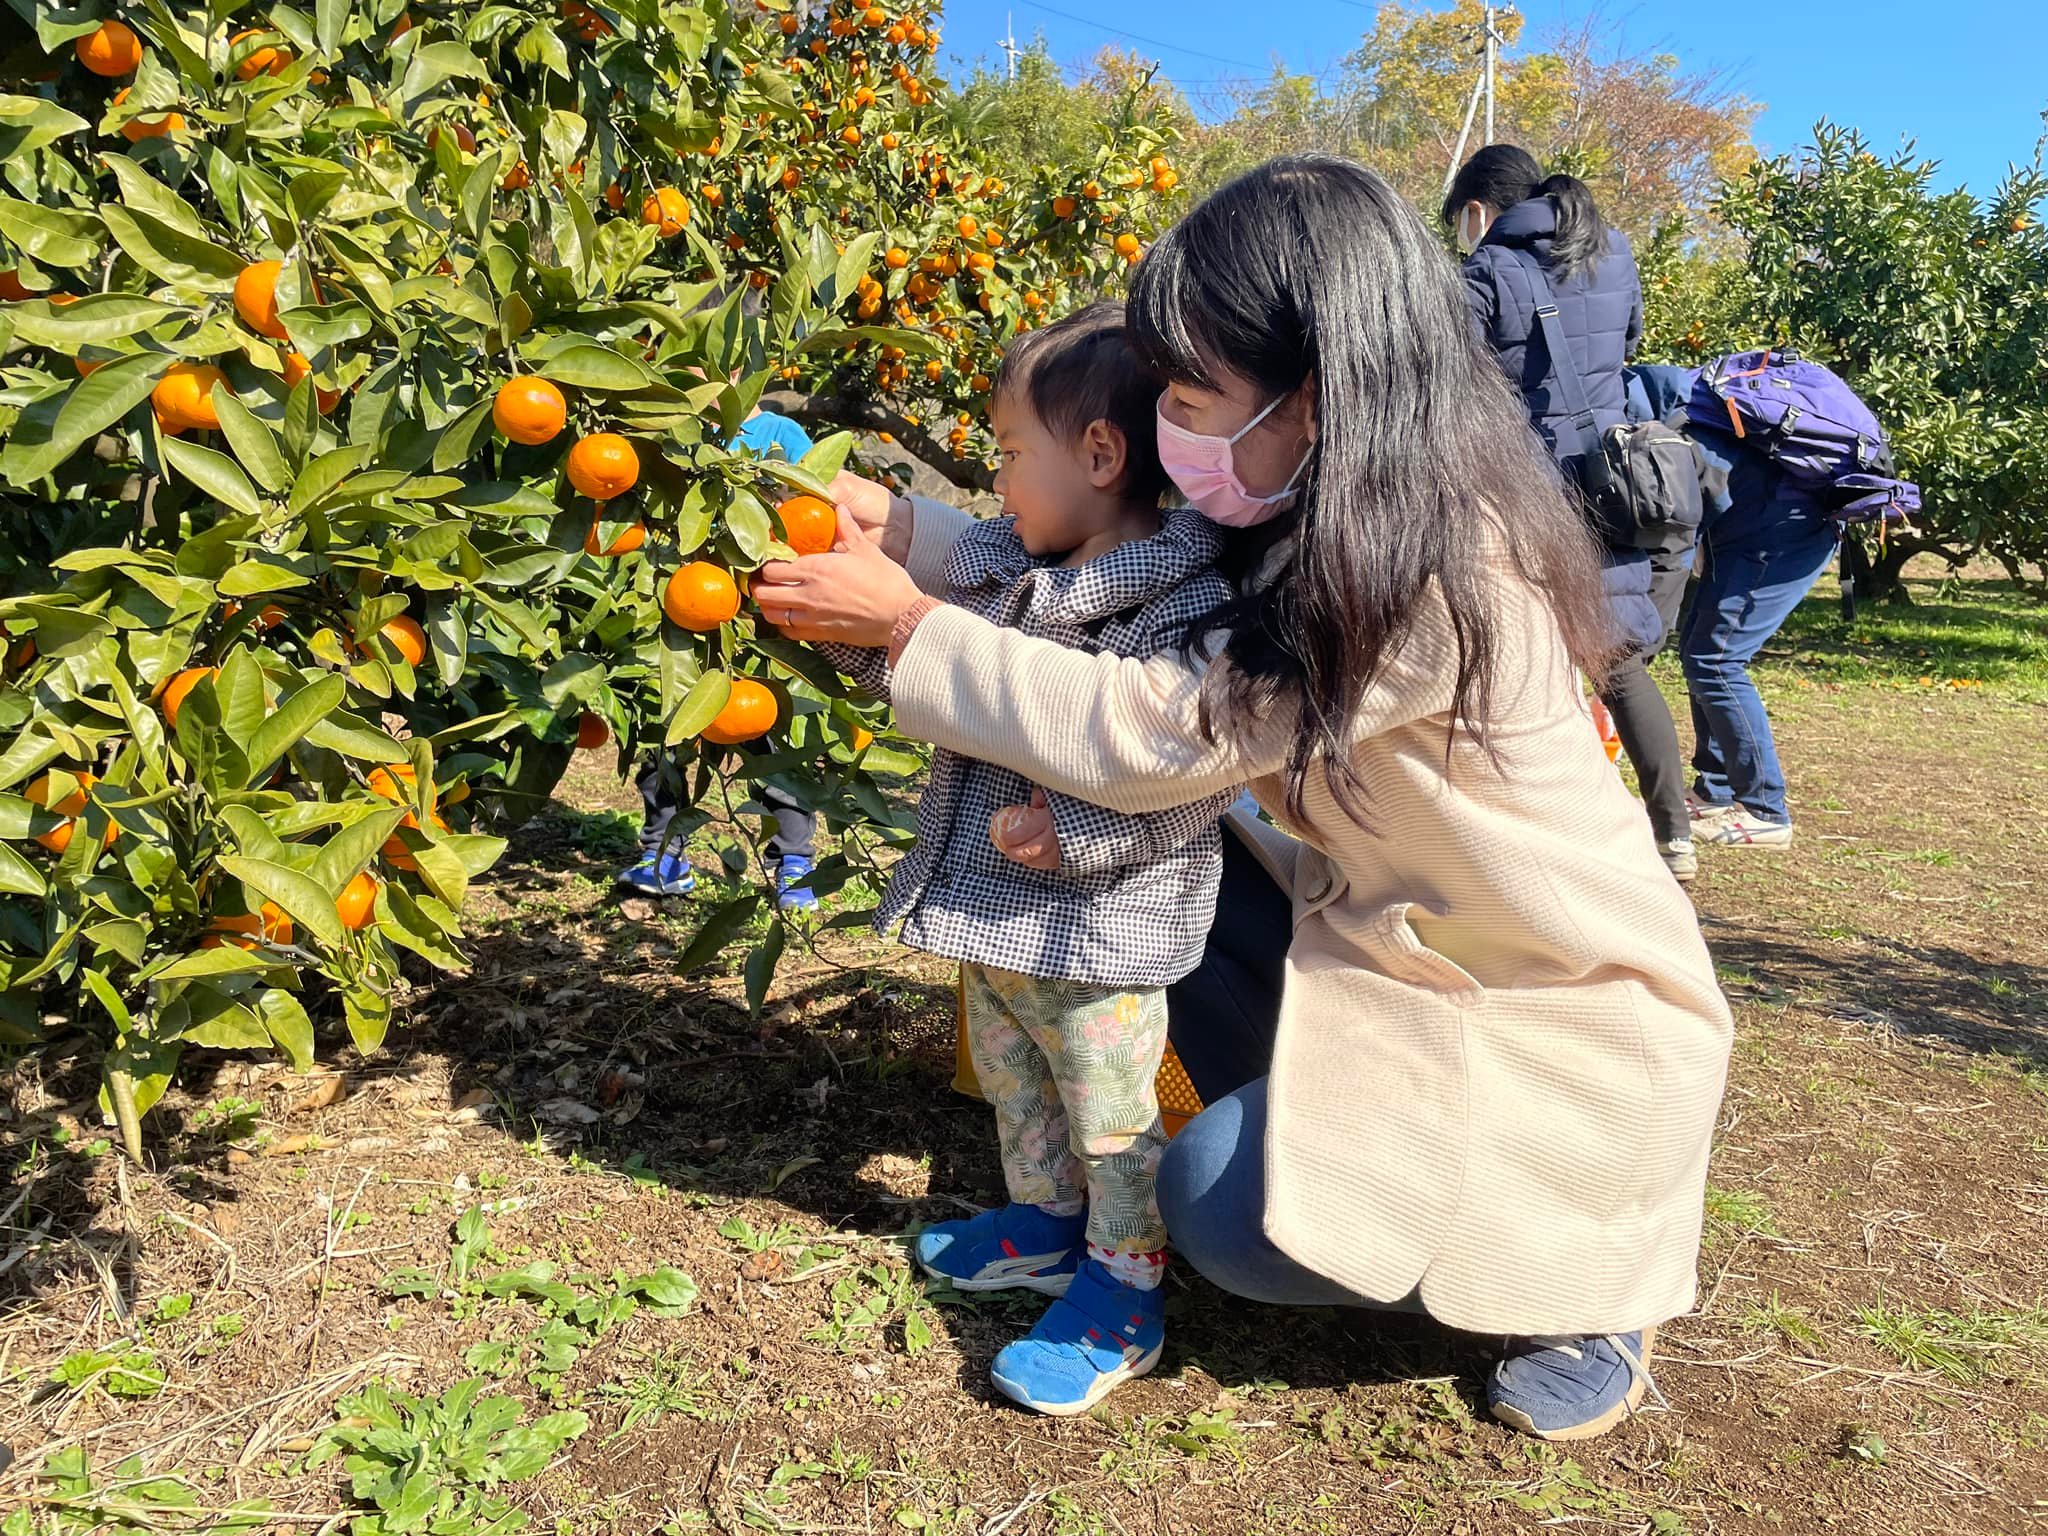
293 1144
324 1091
237 1156
636 909
566 1112
296 1444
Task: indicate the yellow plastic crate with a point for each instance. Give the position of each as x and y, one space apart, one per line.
1178 1101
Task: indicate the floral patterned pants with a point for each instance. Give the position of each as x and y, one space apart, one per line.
1069 1068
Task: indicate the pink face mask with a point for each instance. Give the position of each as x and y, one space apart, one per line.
1206 472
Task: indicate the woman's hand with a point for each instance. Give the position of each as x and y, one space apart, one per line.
1025 833
853 596
882 515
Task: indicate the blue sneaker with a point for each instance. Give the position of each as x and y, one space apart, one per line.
1011 1248
791 894
1091 1341
660 874
1573 1388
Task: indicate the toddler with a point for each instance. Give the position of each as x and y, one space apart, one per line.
1065 969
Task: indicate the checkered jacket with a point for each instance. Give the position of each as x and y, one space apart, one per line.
1132 900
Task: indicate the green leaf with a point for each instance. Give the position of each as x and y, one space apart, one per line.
353 736
717 932
587 366
221 1022
285 1017
225 961
828 456
143 193
748 521
97 317
50 431
300 895
571 680
181 259
239 691
254 443
859 252
214 473
330 17
18 877
401 919
27 123
760 968
352 848
284 727
459 439
437 62
667 1289
324 474
700 706
57 237
253 578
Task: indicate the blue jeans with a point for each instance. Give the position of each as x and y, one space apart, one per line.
1752 575
1222 1019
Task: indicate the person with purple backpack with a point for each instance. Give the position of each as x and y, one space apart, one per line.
1803 456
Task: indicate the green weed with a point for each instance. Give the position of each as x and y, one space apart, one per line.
1786 1321
1956 1346
76 1502
437 1463
1740 1211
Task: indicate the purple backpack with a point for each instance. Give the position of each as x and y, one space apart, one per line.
1804 419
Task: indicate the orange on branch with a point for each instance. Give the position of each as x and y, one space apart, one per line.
810 524
603 466
245 930
529 410
749 712
407 638
357 902
630 538
256 298
700 597
668 210
172 697
111 50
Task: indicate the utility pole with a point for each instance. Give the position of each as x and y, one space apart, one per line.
1492 39
1489 44
1009 42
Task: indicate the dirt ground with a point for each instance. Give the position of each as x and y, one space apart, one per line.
1869 1351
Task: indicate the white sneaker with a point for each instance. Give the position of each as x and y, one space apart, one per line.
1680 858
1699 811
1741 829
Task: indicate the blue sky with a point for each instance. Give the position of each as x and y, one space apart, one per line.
1966 78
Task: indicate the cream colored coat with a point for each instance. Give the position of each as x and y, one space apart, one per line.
1501 1047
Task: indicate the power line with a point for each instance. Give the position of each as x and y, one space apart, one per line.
1152 42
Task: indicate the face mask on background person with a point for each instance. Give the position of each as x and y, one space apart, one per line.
1204 468
1472 222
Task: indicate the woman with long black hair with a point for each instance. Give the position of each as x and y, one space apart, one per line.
1458 1034
1533 241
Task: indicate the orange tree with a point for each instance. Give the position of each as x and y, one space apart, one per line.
369 370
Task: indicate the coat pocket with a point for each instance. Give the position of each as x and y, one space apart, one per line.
1397 951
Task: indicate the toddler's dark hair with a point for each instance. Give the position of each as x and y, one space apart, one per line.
1080 370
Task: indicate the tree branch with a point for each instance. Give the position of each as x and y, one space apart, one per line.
873 416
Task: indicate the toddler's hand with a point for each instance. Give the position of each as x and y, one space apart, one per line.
1025 833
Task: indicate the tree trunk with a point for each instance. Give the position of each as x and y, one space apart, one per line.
826 411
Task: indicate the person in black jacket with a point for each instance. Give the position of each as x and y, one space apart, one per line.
1532 241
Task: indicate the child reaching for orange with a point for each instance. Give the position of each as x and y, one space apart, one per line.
1065 968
